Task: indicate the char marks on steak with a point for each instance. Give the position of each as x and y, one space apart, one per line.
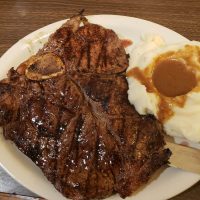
67 109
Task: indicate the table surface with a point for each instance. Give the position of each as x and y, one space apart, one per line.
18 18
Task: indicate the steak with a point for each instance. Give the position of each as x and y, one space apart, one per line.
67 109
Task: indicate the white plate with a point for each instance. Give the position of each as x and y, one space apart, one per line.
171 181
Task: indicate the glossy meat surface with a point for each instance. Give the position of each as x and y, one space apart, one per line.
77 125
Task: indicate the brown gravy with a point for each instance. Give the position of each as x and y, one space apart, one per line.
172 78
165 103
140 75
126 43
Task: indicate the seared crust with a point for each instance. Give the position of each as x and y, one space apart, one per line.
78 126
95 49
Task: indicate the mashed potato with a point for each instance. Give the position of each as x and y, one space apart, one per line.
164 80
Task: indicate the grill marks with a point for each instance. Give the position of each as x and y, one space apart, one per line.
88 56
60 126
92 181
103 58
84 145
57 40
93 49
63 158
43 116
79 127
105 151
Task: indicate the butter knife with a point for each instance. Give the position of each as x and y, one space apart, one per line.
183 157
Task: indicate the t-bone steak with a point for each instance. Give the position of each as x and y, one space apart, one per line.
67 109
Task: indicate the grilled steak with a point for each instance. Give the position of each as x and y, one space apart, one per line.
67 109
